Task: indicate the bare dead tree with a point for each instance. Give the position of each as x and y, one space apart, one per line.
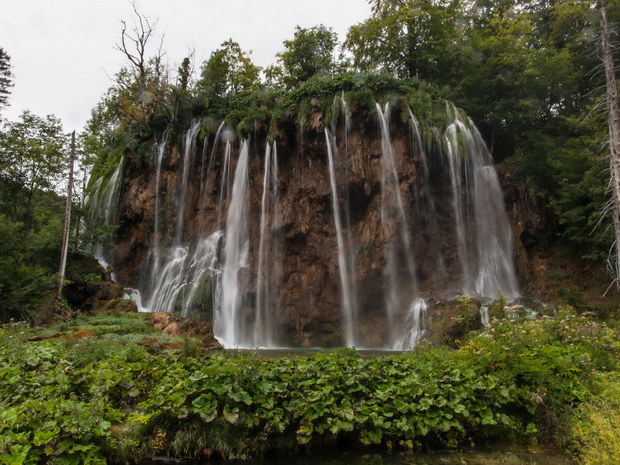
613 117
67 225
147 73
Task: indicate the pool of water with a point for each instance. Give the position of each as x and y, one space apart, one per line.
491 456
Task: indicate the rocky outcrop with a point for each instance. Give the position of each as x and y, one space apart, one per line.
176 326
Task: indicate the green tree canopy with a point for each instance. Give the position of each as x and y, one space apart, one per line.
409 39
33 158
228 70
309 53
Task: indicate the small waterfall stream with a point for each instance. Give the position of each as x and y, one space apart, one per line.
268 272
486 261
399 270
189 145
344 271
105 207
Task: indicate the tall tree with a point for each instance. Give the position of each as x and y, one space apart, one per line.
420 38
613 117
310 53
229 70
5 77
32 163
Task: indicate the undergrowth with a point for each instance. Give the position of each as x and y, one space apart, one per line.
99 398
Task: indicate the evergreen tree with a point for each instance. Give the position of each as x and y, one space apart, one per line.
5 78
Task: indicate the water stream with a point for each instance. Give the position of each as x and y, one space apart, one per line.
344 271
399 269
268 272
485 242
230 323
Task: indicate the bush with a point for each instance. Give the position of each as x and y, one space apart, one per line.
596 427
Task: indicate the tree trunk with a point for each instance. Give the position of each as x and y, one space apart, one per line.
65 238
613 114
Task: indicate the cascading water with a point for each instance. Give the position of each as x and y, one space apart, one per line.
205 175
105 206
224 184
268 272
230 323
188 158
344 271
425 213
176 278
413 330
487 264
399 270
485 317
154 255
222 229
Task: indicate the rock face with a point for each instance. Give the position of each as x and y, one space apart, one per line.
175 210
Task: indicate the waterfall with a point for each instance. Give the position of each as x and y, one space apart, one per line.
229 322
176 279
412 327
268 271
169 282
205 186
201 270
399 270
189 145
425 212
485 317
105 206
487 262
154 255
456 161
344 271
228 263
224 184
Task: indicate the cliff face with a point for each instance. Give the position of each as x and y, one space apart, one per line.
410 219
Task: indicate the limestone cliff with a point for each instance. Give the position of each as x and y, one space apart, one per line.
172 202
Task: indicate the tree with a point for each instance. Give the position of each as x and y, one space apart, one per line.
410 39
32 152
310 53
32 164
229 70
5 77
141 86
613 118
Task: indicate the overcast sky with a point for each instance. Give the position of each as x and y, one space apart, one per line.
63 57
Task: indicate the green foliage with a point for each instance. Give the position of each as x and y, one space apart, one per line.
547 363
33 159
229 70
310 53
90 398
596 427
410 39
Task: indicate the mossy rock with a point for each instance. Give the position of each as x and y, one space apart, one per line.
119 305
451 320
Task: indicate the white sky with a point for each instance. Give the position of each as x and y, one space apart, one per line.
63 57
